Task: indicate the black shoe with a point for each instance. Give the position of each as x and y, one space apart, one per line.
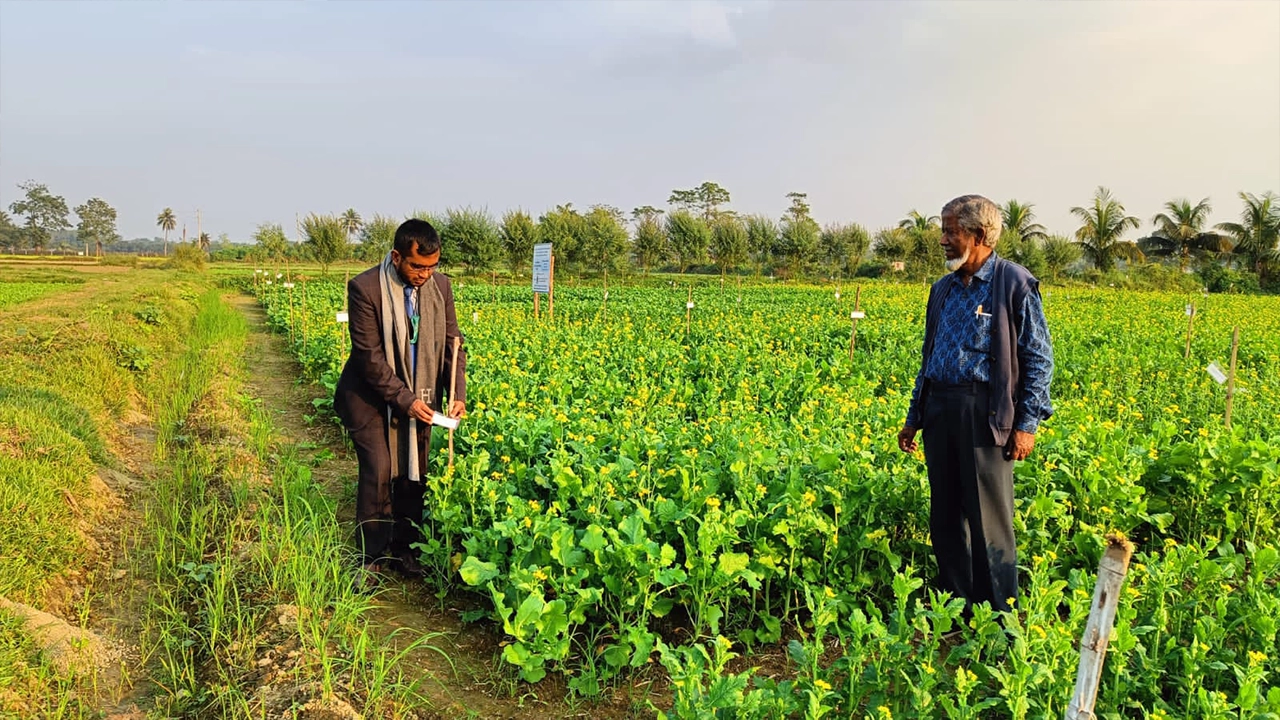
409 566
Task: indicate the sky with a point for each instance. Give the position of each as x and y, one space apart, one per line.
255 112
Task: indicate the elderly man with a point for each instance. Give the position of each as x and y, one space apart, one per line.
982 390
403 324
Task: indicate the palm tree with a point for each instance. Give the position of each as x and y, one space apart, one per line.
1180 231
351 222
1021 218
167 221
915 221
204 242
1104 224
1258 231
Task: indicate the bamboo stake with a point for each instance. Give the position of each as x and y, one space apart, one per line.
1231 373
551 290
1191 319
304 311
604 300
537 303
853 332
1097 632
688 312
453 387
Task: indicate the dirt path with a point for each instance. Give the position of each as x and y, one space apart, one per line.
462 666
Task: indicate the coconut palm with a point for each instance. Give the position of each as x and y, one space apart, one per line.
1180 231
1258 231
204 242
351 222
1020 217
1104 225
915 221
167 221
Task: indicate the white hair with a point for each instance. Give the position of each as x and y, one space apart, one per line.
977 214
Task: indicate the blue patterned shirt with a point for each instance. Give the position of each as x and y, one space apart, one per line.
962 346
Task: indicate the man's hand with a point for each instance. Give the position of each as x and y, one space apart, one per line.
907 439
457 409
1019 445
420 412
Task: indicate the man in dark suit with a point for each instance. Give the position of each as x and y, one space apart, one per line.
403 326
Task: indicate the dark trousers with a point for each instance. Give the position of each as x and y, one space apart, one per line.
971 498
387 509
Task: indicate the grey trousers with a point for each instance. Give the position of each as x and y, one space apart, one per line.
971 498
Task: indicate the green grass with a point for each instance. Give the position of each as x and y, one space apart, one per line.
72 366
230 544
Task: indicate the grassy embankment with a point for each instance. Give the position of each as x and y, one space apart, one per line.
238 597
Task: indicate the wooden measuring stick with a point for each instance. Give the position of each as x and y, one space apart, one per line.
853 332
1191 319
1231 373
453 387
1097 632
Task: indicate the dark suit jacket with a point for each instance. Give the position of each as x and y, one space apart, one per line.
368 384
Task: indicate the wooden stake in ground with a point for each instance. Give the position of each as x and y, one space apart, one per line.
1191 319
551 291
604 300
1097 632
688 312
304 311
453 387
289 286
1231 372
854 317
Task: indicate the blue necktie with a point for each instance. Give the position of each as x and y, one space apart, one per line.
411 311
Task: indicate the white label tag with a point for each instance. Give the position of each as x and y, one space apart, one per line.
286 285
689 305
341 317
857 315
837 294
1190 310
606 294
444 421
279 275
475 316
268 282
1215 371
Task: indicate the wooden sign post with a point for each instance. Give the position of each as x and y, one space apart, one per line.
543 268
551 291
1231 372
1191 320
1097 631
855 316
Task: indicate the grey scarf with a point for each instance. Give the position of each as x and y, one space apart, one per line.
421 377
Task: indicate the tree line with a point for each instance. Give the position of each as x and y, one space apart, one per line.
697 231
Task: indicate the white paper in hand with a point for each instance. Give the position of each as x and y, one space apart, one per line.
444 421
